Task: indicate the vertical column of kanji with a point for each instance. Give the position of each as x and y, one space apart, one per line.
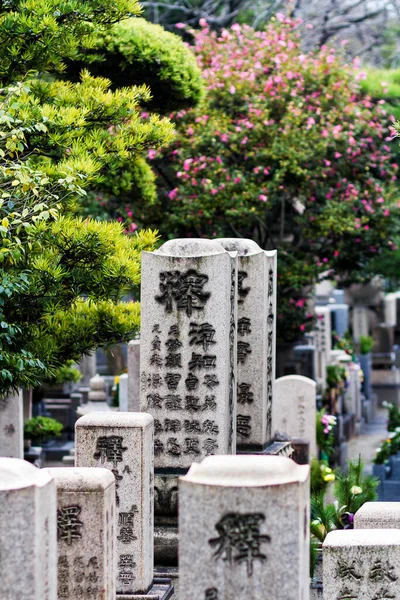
244 526
85 524
28 532
256 296
187 332
11 426
123 443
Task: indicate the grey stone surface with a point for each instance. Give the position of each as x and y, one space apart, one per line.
123 392
390 309
244 529
28 532
360 322
378 515
256 341
87 367
363 564
187 353
123 443
340 318
134 375
12 426
295 409
324 340
86 540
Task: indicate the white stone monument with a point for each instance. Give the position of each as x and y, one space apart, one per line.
378 515
244 529
360 322
123 392
123 443
28 532
188 350
12 426
363 564
86 540
256 342
295 409
324 346
390 309
134 375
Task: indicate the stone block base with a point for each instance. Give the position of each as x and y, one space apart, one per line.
162 589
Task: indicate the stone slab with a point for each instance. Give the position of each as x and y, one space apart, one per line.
162 589
378 515
12 426
134 375
123 392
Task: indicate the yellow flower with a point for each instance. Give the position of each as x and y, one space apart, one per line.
116 380
329 477
356 490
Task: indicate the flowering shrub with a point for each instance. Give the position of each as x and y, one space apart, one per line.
287 151
325 433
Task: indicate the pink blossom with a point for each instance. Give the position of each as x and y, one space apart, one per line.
151 154
263 197
173 194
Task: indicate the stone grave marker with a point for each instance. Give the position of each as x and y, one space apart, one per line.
123 392
244 529
85 526
390 309
324 333
12 426
28 532
378 515
188 351
295 409
123 443
256 342
360 322
361 564
134 375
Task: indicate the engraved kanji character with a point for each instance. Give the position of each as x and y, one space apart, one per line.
173 361
158 428
156 328
199 361
210 427
192 403
270 317
173 331
191 382
126 561
79 591
201 335
192 426
68 525
380 572
270 281
173 447
243 350
9 429
158 447
240 539
127 469
210 446
209 403
173 425
242 291
245 396
169 281
210 381
243 426
172 380
157 380
211 594
210 361
118 478
79 563
348 571
347 594
125 522
156 343
63 562
155 359
145 379
173 402
93 577
244 326
384 594
110 448
93 562
190 294
191 446
154 401
173 344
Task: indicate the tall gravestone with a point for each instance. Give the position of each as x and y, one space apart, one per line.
12 426
324 334
28 533
187 366
123 396
362 564
295 409
134 375
244 529
85 527
256 342
123 443
360 322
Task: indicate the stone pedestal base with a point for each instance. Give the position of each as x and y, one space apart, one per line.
278 448
162 589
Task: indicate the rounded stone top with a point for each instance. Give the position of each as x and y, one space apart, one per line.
243 246
81 479
246 471
362 537
115 419
97 383
299 378
190 248
17 474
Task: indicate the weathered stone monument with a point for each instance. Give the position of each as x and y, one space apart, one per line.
187 353
123 392
256 297
362 564
295 409
378 515
233 541
28 537
123 443
85 526
324 336
360 322
134 375
12 426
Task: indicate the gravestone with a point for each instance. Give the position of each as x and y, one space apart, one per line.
123 443
85 525
187 353
295 409
244 529
123 392
256 296
28 532
12 426
340 318
97 397
324 334
378 515
360 322
363 564
134 375
390 310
